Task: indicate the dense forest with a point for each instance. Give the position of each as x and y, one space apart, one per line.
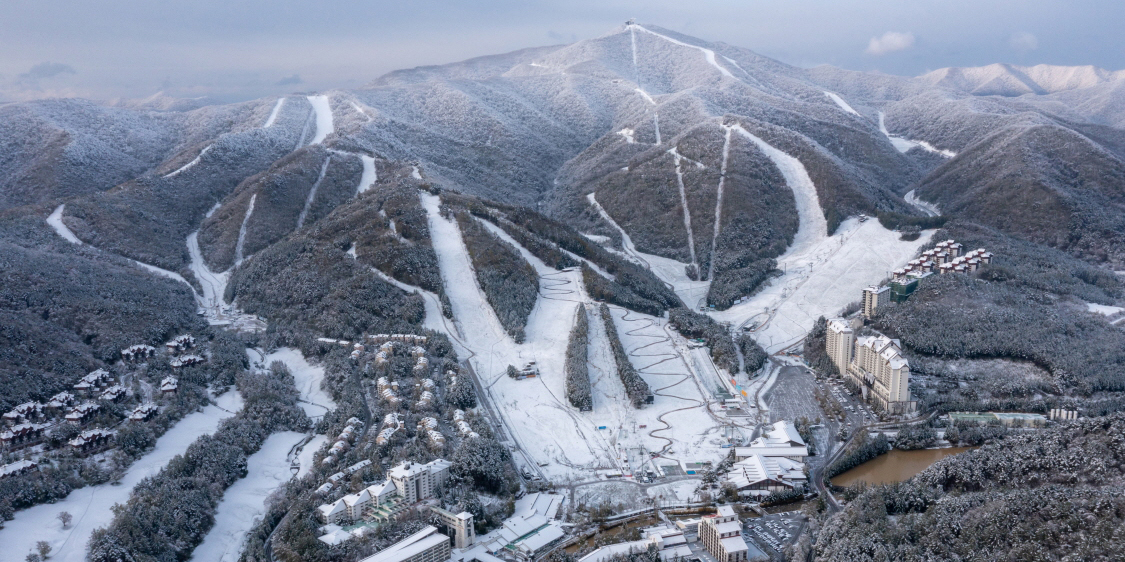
510 284
577 371
145 529
1047 495
635 387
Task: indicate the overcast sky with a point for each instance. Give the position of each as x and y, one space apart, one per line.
243 49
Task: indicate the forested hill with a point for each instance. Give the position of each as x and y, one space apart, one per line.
1057 494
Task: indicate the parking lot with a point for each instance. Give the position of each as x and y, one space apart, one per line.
774 532
859 413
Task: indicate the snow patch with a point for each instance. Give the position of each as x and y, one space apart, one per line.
323 118
1103 309
189 165
274 113
628 134
91 505
360 111
415 173
55 220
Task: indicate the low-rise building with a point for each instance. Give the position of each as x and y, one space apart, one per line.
17 468
144 412
26 412
90 440
94 380
169 385
721 535
781 439
82 413
21 435
761 476
427 545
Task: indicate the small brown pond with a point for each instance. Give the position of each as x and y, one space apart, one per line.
895 466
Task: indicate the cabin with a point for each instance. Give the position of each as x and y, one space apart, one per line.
91 440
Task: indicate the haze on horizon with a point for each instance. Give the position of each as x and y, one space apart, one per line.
242 50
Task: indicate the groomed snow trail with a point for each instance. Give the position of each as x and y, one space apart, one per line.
242 231
312 192
719 202
822 274
55 220
929 208
708 54
323 111
369 176
684 203
274 113
91 505
904 145
244 502
214 284
189 165
840 102
668 270
812 226
307 378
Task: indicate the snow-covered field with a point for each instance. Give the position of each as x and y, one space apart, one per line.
90 506
245 501
548 431
1103 309
306 377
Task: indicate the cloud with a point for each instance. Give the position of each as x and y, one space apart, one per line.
47 70
890 42
1023 41
290 80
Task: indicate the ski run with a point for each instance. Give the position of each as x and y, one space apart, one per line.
273 114
323 112
189 165
904 145
91 506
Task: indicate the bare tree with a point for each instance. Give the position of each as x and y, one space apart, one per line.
65 517
44 548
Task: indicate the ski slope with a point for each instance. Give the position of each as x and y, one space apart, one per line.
369 176
684 203
312 192
55 221
668 270
929 208
242 231
841 103
323 112
904 145
244 502
91 505
708 54
822 273
307 378
273 114
189 165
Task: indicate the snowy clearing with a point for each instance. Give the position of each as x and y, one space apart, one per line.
189 165
308 450
323 118
415 173
929 208
55 220
904 145
628 134
369 176
273 114
840 102
244 503
1103 309
90 506
306 377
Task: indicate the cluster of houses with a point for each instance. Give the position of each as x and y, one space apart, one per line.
774 462
946 257
343 441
